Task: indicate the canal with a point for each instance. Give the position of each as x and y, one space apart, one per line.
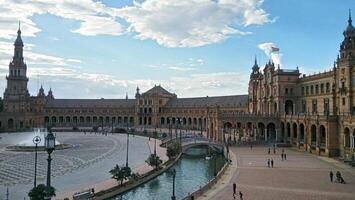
193 171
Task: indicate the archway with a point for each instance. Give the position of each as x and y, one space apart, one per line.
10 124
346 138
313 136
261 131
301 134
282 131
322 137
288 107
227 130
288 130
294 136
271 132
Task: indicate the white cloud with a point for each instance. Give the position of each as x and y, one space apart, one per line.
274 56
190 64
95 18
192 23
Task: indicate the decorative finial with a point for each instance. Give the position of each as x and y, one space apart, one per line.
349 17
255 62
19 27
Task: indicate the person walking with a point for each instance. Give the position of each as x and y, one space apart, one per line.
274 150
268 151
234 190
268 162
285 156
240 195
282 156
251 146
331 176
272 163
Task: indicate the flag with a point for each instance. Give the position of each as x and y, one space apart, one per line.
274 49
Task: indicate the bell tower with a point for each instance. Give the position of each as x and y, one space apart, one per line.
16 92
345 76
253 88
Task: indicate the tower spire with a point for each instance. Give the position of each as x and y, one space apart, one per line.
255 62
349 20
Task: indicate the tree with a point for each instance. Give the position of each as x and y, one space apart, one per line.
39 192
154 161
173 149
120 173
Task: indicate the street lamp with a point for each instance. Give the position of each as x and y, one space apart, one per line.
49 147
36 140
174 174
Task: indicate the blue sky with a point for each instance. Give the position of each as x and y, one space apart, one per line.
92 49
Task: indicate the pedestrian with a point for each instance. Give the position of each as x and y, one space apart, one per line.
274 150
234 190
268 162
268 151
285 156
331 176
338 175
282 156
240 195
272 163
251 146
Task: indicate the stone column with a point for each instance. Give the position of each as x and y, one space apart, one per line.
294 109
265 134
298 136
291 133
276 135
254 134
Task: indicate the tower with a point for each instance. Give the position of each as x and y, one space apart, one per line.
16 92
253 87
346 71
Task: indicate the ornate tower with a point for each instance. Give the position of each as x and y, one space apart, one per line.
345 77
16 92
253 88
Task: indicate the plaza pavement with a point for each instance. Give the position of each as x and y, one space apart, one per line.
303 176
109 183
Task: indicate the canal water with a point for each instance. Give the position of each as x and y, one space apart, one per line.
193 171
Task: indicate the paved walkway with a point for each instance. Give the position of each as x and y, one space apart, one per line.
303 176
142 169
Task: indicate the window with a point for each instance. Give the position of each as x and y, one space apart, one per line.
311 89
317 89
327 87
343 101
307 90
314 105
286 91
304 106
326 106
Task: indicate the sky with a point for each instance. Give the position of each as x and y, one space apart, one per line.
105 49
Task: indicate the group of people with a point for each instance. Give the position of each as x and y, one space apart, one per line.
235 192
338 176
270 162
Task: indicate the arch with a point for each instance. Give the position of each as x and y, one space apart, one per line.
67 119
288 132
302 134
125 119
162 120
289 107
81 119
275 107
113 120
54 119
75 119
190 121
195 121
313 135
119 119
107 119
10 123
184 121
131 120
46 120
271 131
88 119
61 119
322 137
261 131
282 131
94 119
346 138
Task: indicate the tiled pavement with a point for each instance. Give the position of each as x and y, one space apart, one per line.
303 176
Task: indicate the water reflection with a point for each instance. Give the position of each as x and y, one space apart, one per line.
192 171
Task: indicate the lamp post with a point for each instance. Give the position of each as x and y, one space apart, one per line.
49 146
127 145
174 174
36 140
